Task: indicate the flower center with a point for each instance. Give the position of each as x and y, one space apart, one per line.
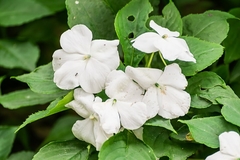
165 36
87 56
92 117
161 87
114 101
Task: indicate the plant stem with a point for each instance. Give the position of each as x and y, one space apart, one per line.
160 54
148 65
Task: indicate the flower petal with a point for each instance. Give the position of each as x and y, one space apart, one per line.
119 86
132 115
220 156
100 135
151 100
77 39
173 102
60 57
82 103
67 77
172 76
163 31
168 50
184 53
93 78
230 143
145 77
139 133
84 130
145 42
106 52
108 116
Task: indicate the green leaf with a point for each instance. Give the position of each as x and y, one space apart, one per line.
125 146
171 18
26 155
95 14
6 141
204 52
204 80
206 130
60 134
231 44
129 23
116 5
25 98
22 55
230 109
235 12
158 139
41 80
64 150
217 92
55 107
235 74
160 122
17 12
1 79
198 84
209 26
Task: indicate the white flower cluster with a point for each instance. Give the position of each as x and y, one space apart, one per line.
134 96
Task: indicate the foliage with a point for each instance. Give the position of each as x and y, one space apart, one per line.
29 34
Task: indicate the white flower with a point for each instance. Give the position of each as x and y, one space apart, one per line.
229 147
166 42
88 129
82 61
164 90
124 106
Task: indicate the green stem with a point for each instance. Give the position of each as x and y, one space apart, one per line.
160 54
148 65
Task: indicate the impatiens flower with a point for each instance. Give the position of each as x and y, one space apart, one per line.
166 42
164 89
83 61
229 147
89 129
123 107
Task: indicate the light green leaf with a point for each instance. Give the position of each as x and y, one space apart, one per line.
210 26
206 130
160 122
171 18
55 107
158 139
41 80
26 155
204 52
60 134
63 150
95 14
17 12
231 44
217 92
22 55
230 109
25 98
130 23
7 137
125 146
